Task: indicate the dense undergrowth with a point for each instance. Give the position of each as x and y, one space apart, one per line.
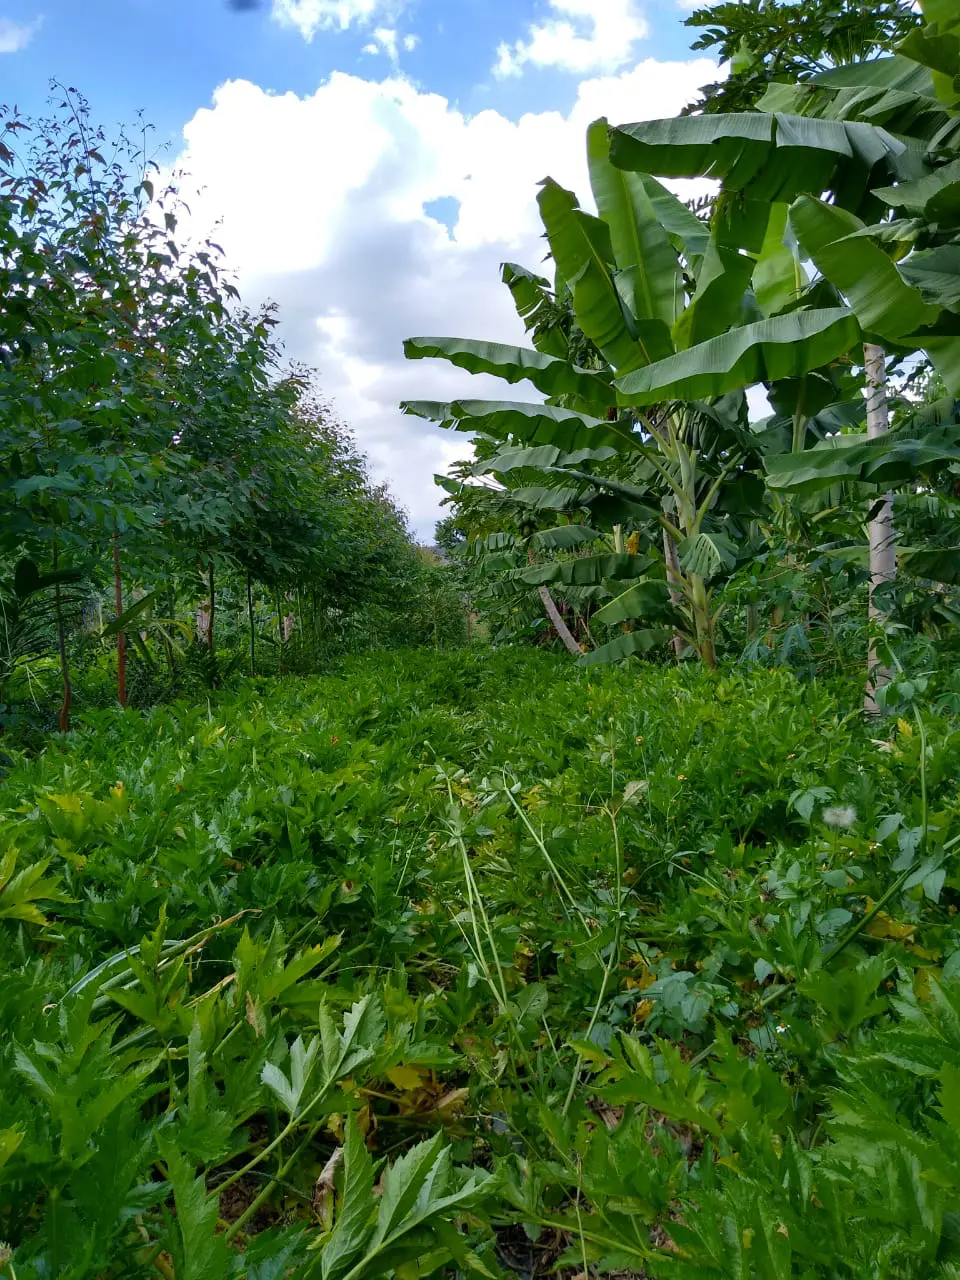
463 963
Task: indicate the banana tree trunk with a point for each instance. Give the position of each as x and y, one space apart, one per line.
702 621
674 581
883 561
561 628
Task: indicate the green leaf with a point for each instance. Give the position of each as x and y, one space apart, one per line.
640 243
766 351
10 1140
535 306
935 273
774 157
778 278
122 622
650 599
881 300
416 1179
580 244
354 1224
564 537
625 646
515 364
289 1090
585 571
532 424
882 461
540 456
935 196
706 554
199 1252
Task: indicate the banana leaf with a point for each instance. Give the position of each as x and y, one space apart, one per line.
773 157
535 305
581 247
534 424
935 196
766 351
586 571
563 537
940 564
649 599
641 246
626 646
540 456
883 302
935 273
552 376
885 461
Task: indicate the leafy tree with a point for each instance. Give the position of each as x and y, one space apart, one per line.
783 40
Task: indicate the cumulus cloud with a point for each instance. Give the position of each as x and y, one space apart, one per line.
323 204
311 16
587 35
15 36
384 41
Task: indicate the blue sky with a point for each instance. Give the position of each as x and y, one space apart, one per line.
368 164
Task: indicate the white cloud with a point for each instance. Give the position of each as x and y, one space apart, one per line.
330 222
384 41
15 36
587 35
311 16
410 43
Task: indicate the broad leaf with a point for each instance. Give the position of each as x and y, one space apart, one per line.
640 243
626 646
532 424
585 570
580 244
515 364
881 300
882 461
774 157
535 306
354 1224
650 599
766 351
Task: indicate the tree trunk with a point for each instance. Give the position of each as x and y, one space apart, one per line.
561 628
253 633
121 637
553 613
62 647
702 621
674 580
883 561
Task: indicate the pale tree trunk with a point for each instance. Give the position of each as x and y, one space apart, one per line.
561 628
883 561
553 613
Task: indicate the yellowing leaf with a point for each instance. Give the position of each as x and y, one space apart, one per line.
884 926
406 1078
68 803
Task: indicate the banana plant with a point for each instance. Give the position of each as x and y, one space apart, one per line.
894 276
634 284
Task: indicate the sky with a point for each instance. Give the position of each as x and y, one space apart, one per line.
367 164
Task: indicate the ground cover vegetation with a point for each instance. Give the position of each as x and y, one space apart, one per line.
609 927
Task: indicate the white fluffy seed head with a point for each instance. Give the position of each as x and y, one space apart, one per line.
840 816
